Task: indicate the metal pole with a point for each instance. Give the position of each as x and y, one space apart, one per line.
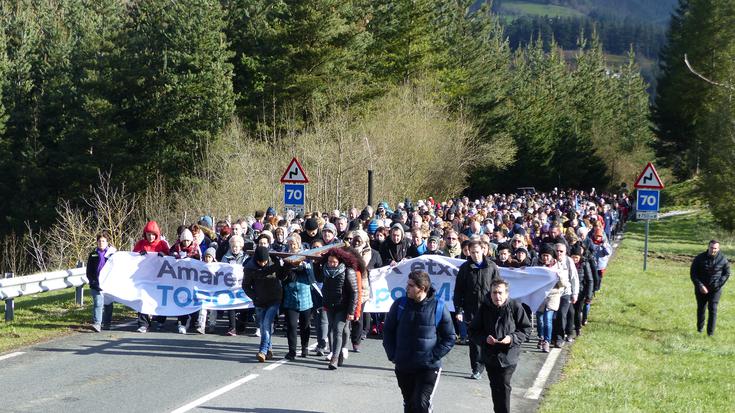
79 295
9 303
370 187
645 247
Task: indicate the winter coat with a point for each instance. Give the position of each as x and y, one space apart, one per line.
230 258
179 251
262 284
602 254
711 272
472 284
297 282
507 320
93 276
586 280
340 292
415 341
390 251
158 245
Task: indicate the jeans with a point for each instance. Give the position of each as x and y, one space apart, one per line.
337 330
101 312
560 319
418 388
266 316
710 301
544 322
322 327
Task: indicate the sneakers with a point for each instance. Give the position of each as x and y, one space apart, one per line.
332 365
545 347
201 330
269 355
142 329
476 375
328 357
261 357
319 351
231 332
257 332
569 339
356 348
345 353
540 344
97 328
182 329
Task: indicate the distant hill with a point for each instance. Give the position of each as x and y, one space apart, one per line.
650 11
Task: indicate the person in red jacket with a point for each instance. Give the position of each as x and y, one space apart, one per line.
153 243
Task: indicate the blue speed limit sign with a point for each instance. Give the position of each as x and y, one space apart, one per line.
648 200
293 194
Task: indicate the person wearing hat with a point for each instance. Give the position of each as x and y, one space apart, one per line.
265 239
329 234
262 283
432 246
257 225
311 231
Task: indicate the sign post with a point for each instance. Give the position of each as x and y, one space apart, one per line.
649 187
294 182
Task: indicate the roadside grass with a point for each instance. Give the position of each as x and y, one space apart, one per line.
641 352
682 195
47 316
535 9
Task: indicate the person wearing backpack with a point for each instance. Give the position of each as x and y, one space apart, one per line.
417 334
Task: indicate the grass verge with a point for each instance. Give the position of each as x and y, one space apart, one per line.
49 315
641 351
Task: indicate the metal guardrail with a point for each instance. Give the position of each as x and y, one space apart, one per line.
13 287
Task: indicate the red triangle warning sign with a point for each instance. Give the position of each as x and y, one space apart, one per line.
649 179
294 174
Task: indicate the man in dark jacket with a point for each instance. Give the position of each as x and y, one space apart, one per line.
472 284
263 285
709 273
415 339
395 248
500 327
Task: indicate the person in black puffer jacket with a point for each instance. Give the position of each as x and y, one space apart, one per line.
500 327
709 273
415 342
340 294
262 283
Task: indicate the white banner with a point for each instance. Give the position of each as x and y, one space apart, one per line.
166 286
529 285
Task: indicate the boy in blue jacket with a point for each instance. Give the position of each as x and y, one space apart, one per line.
417 334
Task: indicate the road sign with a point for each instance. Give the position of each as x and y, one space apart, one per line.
649 179
648 200
641 215
294 195
294 174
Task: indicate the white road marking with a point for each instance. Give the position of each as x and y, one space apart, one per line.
276 364
534 392
11 355
214 394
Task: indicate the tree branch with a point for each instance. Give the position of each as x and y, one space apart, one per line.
712 82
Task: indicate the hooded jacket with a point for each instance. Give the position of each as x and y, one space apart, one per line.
507 320
263 284
415 342
473 283
158 245
390 251
93 262
712 272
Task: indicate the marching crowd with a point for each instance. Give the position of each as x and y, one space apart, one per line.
566 231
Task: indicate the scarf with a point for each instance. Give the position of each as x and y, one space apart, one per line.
333 272
103 259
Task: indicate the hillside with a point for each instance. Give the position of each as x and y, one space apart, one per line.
655 12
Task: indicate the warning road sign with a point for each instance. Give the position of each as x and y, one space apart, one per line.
649 179
294 174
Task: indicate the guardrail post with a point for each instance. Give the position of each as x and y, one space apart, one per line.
9 303
79 296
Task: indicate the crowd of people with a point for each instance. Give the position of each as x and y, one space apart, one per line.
566 231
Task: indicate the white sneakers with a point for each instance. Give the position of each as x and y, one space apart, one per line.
182 329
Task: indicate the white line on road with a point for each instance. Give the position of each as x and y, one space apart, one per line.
214 394
538 385
275 364
11 355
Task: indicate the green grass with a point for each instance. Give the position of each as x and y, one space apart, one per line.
535 9
49 315
641 351
681 195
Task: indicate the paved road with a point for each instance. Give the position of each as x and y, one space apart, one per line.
124 371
